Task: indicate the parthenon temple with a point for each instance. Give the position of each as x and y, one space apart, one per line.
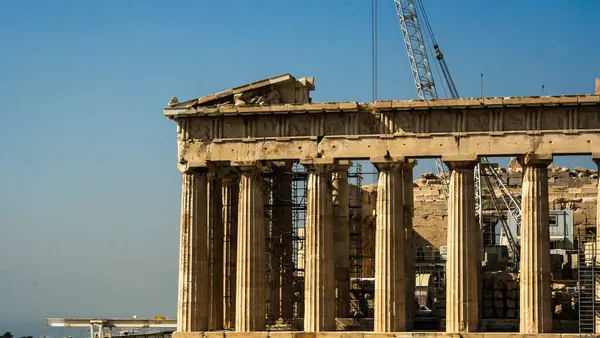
280 236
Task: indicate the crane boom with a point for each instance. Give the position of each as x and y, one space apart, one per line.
415 48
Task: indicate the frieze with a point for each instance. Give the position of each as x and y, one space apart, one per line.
442 122
478 120
589 117
421 122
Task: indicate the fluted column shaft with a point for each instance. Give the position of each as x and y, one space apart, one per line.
462 270
409 241
390 293
535 293
230 188
319 285
192 306
251 278
341 238
282 240
215 251
596 159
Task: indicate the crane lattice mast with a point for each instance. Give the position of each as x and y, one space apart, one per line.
415 48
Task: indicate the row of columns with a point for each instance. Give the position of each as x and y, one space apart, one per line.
464 248
326 248
231 207
462 266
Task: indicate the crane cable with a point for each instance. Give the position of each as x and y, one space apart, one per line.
426 21
430 46
374 47
442 66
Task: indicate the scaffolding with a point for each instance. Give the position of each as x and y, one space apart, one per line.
285 315
299 186
358 307
429 261
588 274
275 233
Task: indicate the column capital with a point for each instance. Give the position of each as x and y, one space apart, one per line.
388 162
196 171
410 163
467 161
223 170
318 164
535 160
284 165
188 167
341 165
250 166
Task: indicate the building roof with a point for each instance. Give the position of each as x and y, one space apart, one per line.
212 99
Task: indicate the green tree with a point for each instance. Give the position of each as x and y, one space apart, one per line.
7 335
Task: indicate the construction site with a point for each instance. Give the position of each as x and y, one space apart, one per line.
306 219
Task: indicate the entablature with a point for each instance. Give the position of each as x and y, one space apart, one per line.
459 117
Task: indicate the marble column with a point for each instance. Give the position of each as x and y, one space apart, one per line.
192 305
282 236
535 278
341 237
319 282
409 241
462 269
251 295
230 188
215 250
596 159
390 292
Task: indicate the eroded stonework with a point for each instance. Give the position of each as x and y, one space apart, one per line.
215 128
247 129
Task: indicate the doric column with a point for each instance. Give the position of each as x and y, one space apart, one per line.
282 241
192 305
409 241
390 291
535 293
596 159
462 270
319 284
341 237
251 278
230 188
215 250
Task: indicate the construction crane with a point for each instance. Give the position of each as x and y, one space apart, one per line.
411 14
419 63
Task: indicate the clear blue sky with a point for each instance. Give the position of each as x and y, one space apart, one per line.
89 191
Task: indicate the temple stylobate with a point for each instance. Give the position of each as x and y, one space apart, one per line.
236 150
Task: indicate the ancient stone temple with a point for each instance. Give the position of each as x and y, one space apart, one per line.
236 150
